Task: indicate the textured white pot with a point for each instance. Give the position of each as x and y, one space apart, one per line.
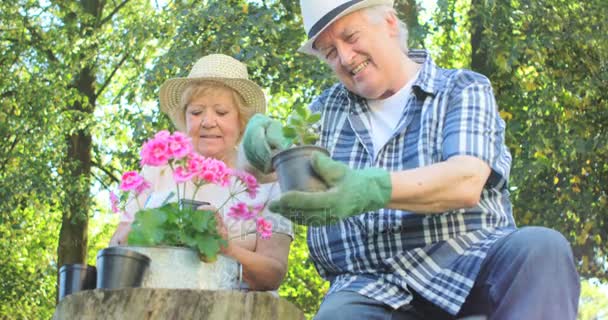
180 268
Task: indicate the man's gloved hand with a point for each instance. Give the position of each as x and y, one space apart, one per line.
263 136
351 192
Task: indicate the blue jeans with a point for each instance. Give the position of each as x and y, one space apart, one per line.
529 274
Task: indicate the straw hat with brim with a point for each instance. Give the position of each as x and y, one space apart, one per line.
320 14
218 68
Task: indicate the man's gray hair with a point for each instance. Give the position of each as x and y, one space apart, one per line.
377 13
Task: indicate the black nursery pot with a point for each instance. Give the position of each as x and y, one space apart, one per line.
76 277
192 204
294 169
120 268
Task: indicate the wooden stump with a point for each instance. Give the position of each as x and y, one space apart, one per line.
141 303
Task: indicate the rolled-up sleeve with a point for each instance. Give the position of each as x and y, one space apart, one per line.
473 126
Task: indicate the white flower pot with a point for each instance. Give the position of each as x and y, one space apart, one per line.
181 268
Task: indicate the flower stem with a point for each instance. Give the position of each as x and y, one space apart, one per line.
176 184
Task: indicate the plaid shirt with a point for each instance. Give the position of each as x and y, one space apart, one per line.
381 254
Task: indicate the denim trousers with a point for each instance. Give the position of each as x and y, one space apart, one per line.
529 274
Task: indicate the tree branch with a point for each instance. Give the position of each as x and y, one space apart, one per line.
8 152
109 78
106 171
105 186
6 94
50 55
109 17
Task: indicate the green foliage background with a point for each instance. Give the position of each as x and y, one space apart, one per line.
78 95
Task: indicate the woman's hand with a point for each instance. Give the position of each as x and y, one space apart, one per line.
120 235
221 226
223 231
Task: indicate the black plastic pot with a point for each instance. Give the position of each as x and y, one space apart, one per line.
192 204
120 268
295 171
76 277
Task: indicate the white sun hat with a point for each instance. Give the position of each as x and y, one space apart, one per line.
214 67
319 14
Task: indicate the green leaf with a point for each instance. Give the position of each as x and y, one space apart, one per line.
314 118
309 139
289 132
202 220
208 246
302 111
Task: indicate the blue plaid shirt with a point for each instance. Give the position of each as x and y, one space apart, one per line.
382 254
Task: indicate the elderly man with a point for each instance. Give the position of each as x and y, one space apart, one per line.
420 224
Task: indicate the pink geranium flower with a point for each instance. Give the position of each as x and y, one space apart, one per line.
179 145
145 185
195 163
155 152
241 211
114 202
182 174
177 153
249 181
162 135
264 228
132 181
215 171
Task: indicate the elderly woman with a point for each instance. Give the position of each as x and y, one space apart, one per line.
212 105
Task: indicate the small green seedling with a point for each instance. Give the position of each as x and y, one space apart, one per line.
300 126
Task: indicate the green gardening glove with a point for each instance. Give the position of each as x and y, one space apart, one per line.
262 137
351 192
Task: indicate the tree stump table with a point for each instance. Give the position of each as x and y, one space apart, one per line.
144 303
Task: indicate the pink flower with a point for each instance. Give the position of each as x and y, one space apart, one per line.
145 185
251 184
155 152
264 228
182 174
162 135
195 163
258 207
114 202
241 211
215 171
131 180
179 145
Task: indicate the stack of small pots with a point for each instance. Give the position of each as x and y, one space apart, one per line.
116 268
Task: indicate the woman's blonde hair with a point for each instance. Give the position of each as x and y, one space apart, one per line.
201 88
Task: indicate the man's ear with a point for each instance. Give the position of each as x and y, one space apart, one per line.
392 23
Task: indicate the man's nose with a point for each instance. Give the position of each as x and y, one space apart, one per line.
346 54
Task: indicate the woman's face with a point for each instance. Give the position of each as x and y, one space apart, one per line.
212 121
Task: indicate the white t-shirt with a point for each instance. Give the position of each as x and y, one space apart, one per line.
385 115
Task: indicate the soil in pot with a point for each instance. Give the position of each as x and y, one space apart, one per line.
295 171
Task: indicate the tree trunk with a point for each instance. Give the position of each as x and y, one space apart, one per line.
73 236
138 303
479 54
408 11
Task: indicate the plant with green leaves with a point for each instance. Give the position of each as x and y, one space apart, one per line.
181 223
300 126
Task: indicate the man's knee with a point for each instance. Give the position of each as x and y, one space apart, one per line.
543 244
349 305
540 246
